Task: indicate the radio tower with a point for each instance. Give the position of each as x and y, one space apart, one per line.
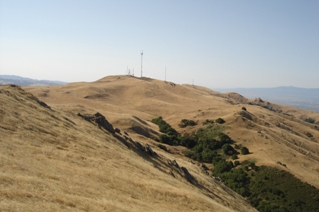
141 63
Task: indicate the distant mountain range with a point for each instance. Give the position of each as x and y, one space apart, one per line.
304 98
22 81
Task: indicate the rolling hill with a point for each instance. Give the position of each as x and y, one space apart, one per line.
93 169
52 159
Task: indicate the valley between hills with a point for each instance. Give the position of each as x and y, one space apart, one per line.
53 159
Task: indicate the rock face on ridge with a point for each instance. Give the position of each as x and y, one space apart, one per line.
100 120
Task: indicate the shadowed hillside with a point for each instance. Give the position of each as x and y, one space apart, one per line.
58 154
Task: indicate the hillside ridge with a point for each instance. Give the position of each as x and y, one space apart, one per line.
121 98
53 159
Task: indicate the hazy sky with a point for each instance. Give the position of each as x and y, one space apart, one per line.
248 43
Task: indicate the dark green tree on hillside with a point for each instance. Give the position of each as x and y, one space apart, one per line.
244 150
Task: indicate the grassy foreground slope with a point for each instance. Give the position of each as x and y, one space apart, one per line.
53 160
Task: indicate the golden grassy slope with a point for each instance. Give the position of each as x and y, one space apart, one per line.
53 160
276 134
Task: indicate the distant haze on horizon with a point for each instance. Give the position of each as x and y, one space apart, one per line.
219 44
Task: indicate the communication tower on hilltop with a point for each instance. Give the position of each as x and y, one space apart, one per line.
142 63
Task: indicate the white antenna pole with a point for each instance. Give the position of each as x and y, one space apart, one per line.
141 63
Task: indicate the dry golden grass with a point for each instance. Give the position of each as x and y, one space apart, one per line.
271 136
53 160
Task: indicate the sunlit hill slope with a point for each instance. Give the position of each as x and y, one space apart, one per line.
54 159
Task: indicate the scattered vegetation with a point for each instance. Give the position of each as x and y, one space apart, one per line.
208 121
266 188
244 109
187 122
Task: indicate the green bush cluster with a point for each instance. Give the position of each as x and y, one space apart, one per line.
203 145
267 188
164 127
170 136
278 190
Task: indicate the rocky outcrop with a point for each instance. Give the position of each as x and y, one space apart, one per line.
100 120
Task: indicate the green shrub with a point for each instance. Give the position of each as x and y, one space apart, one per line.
208 121
220 121
188 141
166 139
236 163
187 122
164 127
238 146
310 120
225 139
222 166
244 150
193 155
228 149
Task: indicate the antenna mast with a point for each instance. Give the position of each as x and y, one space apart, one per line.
141 63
